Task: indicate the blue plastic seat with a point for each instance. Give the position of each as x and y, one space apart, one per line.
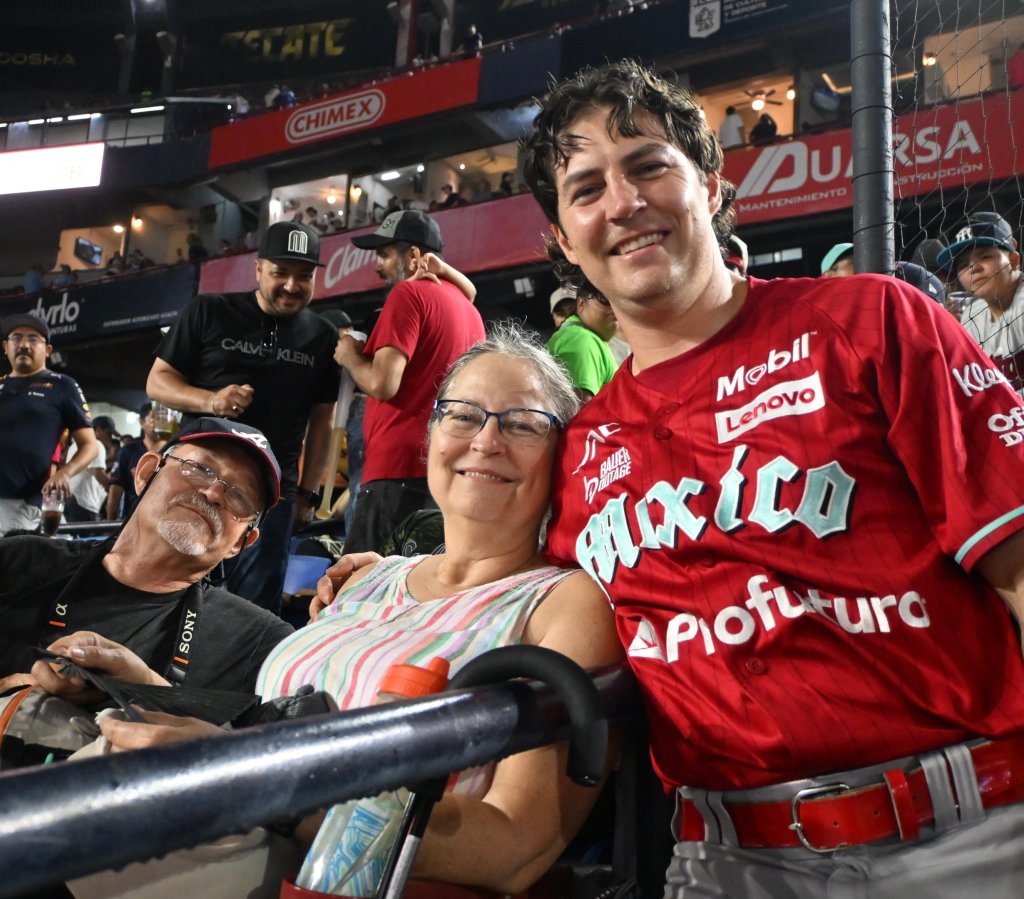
303 572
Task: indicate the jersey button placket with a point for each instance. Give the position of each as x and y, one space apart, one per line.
756 666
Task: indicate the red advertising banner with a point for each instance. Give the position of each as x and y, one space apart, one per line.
946 146
384 103
483 237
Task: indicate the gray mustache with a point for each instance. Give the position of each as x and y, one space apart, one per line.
204 507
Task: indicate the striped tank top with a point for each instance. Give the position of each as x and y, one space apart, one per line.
376 623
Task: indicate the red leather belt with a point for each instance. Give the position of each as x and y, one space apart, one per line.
832 816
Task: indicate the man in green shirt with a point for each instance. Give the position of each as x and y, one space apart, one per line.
581 343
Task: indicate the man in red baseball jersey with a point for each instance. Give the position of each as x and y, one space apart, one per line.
804 499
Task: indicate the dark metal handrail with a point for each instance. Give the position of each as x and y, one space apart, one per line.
71 819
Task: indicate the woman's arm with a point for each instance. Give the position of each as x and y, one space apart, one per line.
509 838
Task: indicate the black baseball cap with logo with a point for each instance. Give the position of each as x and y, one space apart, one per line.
254 440
987 229
922 279
290 240
410 225
25 320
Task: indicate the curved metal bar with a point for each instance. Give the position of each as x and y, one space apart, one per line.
76 818
588 739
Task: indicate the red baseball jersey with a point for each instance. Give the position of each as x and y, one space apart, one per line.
785 519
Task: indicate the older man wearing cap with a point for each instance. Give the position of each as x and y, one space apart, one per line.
263 358
36 407
424 326
985 258
201 501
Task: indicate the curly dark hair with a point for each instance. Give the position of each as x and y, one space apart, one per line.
623 88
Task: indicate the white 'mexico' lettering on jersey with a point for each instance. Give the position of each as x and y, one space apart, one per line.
669 513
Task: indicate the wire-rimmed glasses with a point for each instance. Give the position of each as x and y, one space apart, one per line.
238 503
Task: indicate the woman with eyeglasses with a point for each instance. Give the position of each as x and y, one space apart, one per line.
490 449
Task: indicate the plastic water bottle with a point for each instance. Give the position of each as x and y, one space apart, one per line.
347 857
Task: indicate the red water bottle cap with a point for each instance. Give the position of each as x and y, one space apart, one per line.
412 681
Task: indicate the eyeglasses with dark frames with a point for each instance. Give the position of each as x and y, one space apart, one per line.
461 418
241 507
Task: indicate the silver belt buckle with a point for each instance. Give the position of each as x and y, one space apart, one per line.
794 806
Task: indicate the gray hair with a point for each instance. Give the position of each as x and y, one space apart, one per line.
509 338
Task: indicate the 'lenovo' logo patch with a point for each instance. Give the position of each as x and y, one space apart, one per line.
789 398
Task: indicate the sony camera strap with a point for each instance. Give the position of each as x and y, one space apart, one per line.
184 636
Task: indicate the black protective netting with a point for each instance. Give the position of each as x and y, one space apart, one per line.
958 96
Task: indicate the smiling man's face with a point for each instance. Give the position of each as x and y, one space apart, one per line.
285 286
634 212
195 521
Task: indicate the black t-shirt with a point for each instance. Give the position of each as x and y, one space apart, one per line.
232 636
222 339
34 411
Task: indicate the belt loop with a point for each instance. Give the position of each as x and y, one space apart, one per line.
936 775
966 783
902 804
727 828
699 798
